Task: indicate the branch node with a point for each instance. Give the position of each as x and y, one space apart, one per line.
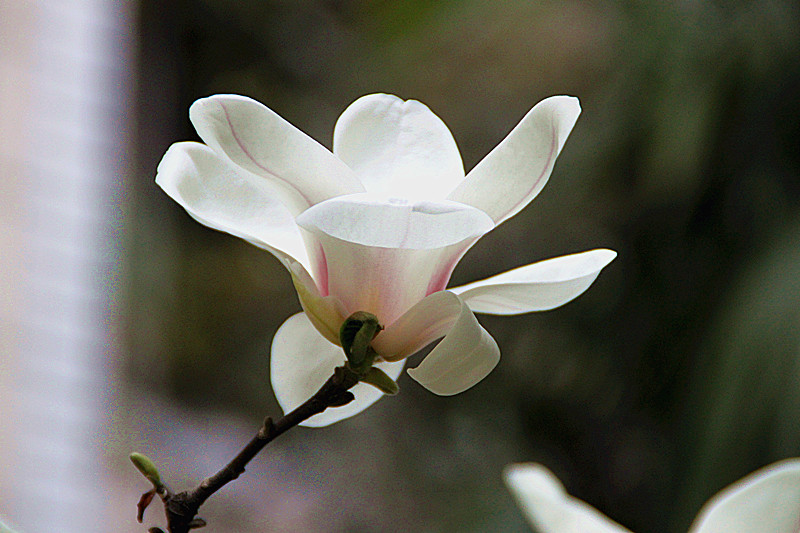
341 399
197 523
267 429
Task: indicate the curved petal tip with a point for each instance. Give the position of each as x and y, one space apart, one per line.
300 363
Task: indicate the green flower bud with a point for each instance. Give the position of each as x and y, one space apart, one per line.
355 335
148 469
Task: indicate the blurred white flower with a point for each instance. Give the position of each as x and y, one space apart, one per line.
4 528
766 501
378 226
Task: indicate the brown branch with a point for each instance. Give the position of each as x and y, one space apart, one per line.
182 508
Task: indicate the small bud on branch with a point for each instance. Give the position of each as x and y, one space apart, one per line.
356 334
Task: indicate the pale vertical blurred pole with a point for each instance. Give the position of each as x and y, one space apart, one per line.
65 82
16 21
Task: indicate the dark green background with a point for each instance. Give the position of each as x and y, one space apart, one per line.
675 374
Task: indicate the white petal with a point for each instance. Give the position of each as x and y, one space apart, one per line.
767 500
536 287
260 141
385 256
465 356
398 147
218 195
300 363
514 172
428 320
549 508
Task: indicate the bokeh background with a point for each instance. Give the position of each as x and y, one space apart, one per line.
677 373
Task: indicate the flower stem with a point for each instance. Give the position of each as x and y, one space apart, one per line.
182 508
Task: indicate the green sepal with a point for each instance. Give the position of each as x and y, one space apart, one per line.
148 469
378 379
356 333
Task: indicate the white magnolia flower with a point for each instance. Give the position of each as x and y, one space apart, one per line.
4 528
378 226
766 501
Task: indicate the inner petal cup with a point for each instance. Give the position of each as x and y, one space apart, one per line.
385 254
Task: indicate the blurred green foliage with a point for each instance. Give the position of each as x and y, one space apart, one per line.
676 373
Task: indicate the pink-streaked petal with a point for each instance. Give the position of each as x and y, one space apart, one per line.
536 287
260 141
767 500
217 194
383 281
385 256
512 174
398 147
548 507
465 356
428 320
302 360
